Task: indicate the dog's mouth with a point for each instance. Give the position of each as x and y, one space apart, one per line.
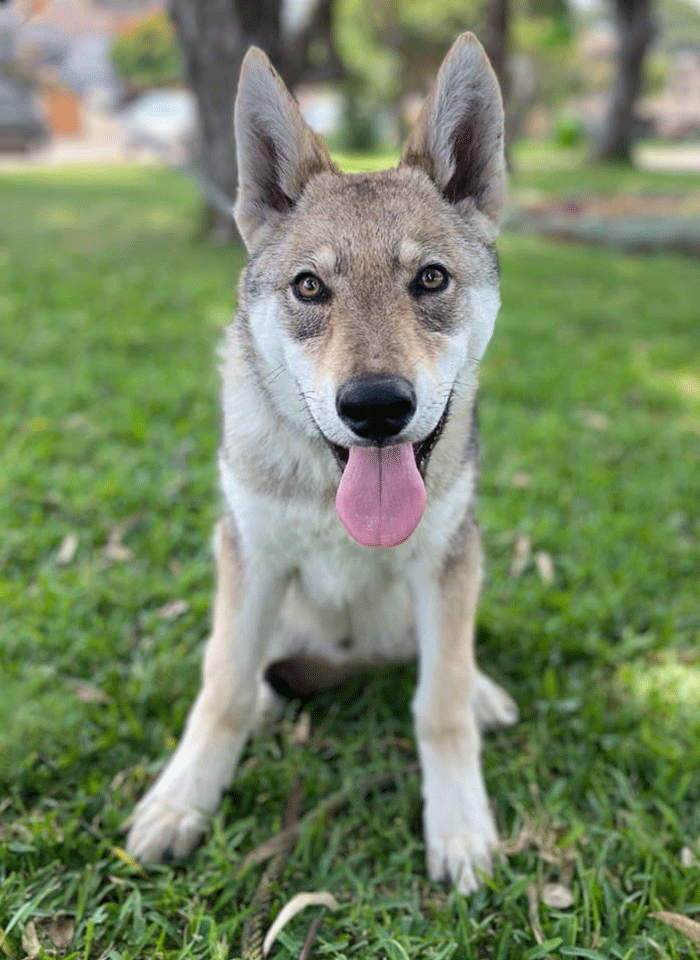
422 449
381 495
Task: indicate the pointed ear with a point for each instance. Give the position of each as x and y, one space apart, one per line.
458 139
277 152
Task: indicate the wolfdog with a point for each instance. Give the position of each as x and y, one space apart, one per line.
348 456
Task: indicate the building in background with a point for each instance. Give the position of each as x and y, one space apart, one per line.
57 68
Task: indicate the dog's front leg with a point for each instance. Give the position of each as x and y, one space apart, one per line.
172 816
459 828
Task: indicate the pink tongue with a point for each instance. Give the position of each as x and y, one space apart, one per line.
381 496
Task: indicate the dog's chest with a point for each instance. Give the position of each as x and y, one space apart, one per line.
308 542
338 573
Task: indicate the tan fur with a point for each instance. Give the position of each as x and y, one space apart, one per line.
292 588
437 707
462 829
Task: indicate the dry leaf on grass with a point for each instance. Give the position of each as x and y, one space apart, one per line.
690 928
545 566
521 480
298 903
172 610
87 693
67 550
76 421
30 941
595 420
301 732
521 555
118 552
125 857
690 857
60 931
557 896
118 779
114 548
530 836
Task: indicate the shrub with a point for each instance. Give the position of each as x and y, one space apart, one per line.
569 130
148 55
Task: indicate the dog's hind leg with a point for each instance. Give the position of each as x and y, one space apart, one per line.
172 816
493 707
304 675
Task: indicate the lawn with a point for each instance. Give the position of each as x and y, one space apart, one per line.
110 311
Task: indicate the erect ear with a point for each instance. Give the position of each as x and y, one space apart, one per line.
458 139
277 152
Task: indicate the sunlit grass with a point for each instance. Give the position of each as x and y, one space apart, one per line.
669 688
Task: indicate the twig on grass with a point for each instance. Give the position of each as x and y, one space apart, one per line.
533 911
311 935
279 848
253 931
330 805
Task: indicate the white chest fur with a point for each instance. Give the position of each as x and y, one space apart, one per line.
338 590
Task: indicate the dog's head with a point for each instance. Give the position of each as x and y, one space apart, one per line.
372 297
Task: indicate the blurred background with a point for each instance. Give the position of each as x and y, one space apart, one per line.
86 81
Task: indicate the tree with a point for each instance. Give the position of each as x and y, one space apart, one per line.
635 29
214 36
148 55
496 43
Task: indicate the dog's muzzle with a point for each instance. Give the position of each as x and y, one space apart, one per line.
381 496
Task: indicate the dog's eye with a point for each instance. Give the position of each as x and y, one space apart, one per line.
431 279
309 288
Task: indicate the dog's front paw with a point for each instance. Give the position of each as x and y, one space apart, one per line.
161 831
171 818
458 847
459 829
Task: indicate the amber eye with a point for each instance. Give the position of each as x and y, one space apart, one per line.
431 279
309 288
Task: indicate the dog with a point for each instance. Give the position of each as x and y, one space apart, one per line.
348 455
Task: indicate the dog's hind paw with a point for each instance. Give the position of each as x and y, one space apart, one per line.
493 707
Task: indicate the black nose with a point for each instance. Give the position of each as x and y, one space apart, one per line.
376 407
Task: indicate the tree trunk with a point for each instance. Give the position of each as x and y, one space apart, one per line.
635 27
311 55
214 36
496 44
496 41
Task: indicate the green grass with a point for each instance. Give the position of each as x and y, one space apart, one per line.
110 311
